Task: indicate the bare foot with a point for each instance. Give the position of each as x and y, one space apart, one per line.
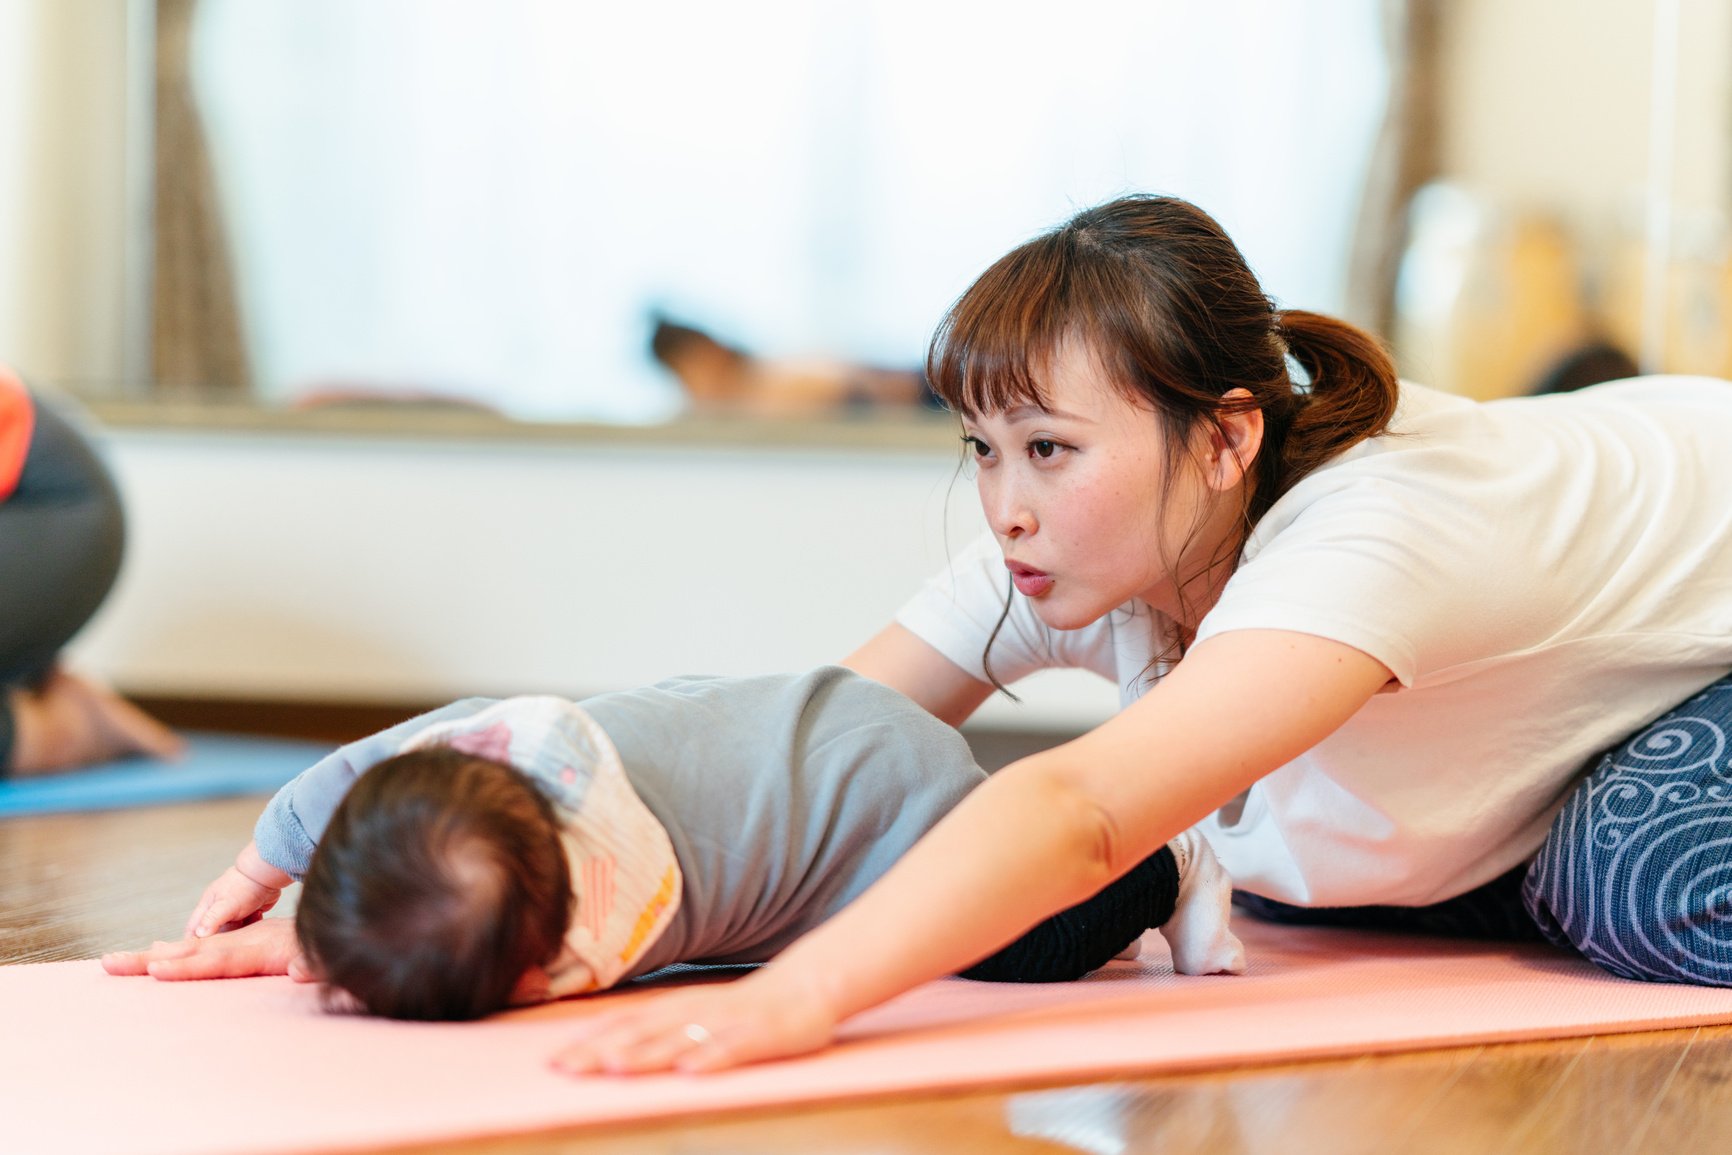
71 721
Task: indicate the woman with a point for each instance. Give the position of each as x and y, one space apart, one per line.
1371 637
61 532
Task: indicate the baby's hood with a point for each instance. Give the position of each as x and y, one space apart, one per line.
625 880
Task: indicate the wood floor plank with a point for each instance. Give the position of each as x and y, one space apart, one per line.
1695 1112
1498 1100
1602 1102
1334 1108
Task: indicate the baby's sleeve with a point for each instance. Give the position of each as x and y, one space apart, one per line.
294 819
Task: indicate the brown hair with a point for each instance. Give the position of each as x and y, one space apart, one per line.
439 882
1155 288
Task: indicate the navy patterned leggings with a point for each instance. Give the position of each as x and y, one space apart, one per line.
1635 874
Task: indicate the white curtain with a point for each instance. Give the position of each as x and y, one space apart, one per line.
489 199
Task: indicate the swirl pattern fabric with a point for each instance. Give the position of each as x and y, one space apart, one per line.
1636 873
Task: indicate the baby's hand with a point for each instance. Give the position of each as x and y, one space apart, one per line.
243 893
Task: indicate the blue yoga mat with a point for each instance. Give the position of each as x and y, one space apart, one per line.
214 766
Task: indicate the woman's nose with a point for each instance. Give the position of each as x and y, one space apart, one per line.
1008 514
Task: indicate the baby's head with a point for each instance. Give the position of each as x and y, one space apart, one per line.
438 885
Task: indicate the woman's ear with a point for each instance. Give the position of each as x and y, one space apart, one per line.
1231 441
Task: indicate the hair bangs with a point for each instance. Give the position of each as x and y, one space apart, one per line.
988 351
992 349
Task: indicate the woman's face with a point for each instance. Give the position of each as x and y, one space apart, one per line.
1077 496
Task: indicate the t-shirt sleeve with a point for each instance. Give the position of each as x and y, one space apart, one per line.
956 610
1372 566
289 829
17 424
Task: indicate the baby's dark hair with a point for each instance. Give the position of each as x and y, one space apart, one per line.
439 882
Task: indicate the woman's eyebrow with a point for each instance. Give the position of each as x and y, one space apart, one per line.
1025 411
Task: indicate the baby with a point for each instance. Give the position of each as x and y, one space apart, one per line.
492 853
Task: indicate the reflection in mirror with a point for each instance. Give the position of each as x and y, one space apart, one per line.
623 213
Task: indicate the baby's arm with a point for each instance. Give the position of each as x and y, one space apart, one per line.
289 829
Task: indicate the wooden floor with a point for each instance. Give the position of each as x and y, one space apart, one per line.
74 886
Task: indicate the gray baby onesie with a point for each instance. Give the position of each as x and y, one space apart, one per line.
785 796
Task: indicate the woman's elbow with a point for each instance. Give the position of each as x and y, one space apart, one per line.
1093 844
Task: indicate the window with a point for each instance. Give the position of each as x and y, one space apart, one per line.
491 200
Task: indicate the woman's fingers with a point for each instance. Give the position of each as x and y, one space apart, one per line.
745 1042
207 964
137 962
264 948
710 1029
629 1044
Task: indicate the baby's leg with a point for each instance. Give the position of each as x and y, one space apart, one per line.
1181 889
1088 935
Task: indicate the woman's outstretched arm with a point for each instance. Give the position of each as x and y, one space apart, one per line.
1039 836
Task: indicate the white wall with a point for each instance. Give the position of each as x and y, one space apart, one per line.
294 566
1545 105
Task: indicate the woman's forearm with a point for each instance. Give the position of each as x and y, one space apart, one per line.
1022 846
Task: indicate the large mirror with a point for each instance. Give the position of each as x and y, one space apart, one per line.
559 211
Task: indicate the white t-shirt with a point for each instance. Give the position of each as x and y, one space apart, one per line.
1543 576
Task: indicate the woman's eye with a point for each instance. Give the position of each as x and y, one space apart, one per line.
1043 448
977 447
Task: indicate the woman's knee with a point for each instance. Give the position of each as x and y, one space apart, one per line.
1662 912
1636 872
64 532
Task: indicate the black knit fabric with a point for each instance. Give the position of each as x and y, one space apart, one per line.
1493 911
1074 942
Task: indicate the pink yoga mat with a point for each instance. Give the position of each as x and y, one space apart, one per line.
132 1066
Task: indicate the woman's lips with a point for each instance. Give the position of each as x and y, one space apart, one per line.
1029 582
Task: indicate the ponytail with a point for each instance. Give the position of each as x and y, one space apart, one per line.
1351 396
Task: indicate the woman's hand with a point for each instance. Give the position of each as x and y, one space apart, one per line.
241 895
268 947
704 1028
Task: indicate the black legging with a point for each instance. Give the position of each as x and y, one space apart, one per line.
61 536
